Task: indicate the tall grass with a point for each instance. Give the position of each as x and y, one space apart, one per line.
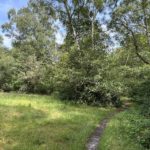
34 122
128 130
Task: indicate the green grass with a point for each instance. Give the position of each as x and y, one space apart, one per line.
122 132
33 122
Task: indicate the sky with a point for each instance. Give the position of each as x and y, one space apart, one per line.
5 6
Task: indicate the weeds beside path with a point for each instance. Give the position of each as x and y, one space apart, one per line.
95 139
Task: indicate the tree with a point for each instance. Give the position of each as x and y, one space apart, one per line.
32 31
79 69
83 53
131 20
6 67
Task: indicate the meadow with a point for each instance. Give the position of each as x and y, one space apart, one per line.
34 122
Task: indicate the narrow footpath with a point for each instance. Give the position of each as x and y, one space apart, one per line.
95 137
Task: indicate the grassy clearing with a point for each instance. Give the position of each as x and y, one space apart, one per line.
33 122
123 131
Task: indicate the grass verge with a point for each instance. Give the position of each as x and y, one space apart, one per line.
128 130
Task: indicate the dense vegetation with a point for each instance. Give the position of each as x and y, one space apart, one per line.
129 130
85 68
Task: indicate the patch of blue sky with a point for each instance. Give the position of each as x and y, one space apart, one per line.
5 6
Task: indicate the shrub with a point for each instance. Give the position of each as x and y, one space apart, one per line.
138 128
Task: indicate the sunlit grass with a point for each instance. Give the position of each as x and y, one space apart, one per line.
33 122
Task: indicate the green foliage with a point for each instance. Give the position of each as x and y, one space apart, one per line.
128 130
81 79
130 19
141 89
137 127
33 77
33 46
81 69
6 69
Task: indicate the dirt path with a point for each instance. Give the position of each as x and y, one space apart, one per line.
94 139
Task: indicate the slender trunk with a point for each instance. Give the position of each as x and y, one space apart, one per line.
145 22
72 26
127 59
135 44
92 24
92 34
137 49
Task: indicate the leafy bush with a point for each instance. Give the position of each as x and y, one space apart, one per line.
75 86
128 130
138 127
141 89
6 70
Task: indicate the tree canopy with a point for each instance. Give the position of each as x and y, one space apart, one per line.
82 69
